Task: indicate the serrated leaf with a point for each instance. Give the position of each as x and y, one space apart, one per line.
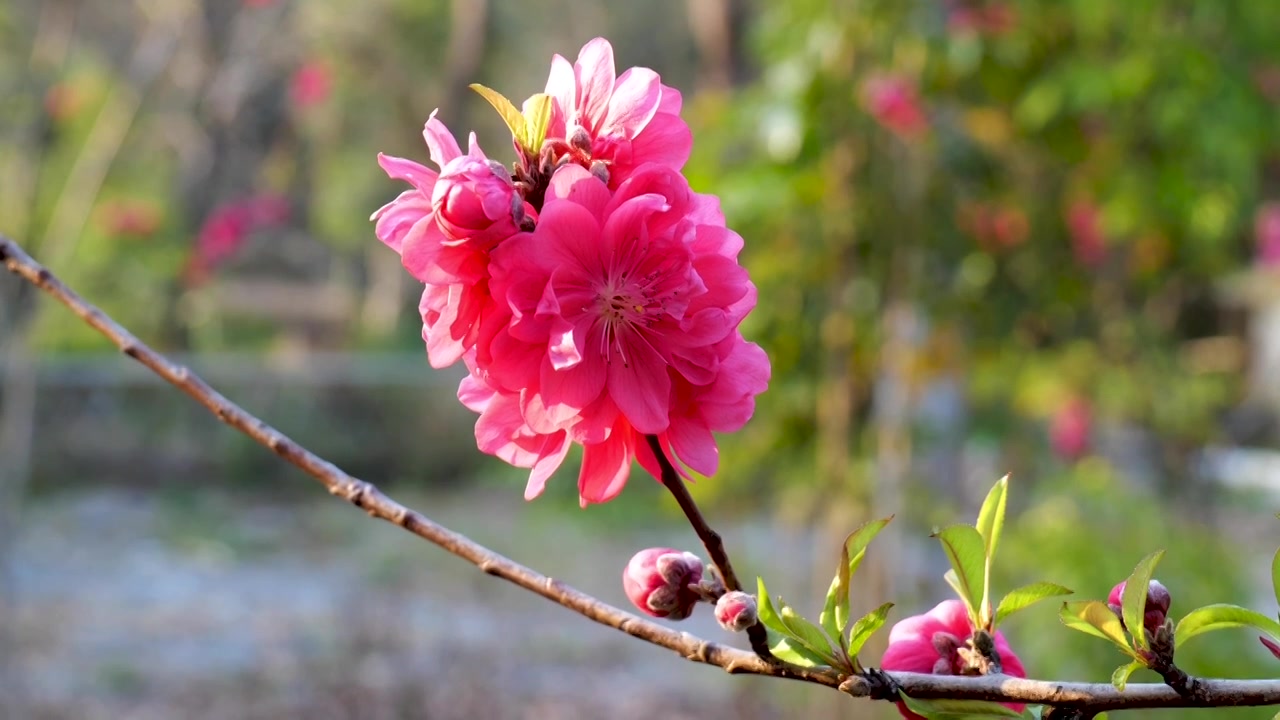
991 516
537 116
956 709
1275 575
1095 618
967 555
1120 677
835 611
808 634
1221 617
1133 602
1026 596
866 626
510 115
790 650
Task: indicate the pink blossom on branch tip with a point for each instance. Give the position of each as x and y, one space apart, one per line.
939 642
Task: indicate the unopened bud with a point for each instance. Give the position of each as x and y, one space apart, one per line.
736 611
662 582
1157 607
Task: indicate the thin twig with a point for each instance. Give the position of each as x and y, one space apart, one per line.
710 538
1089 698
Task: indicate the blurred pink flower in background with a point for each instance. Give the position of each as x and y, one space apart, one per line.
937 643
980 18
310 84
995 227
1071 429
894 102
129 217
228 227
1084 225
1266 227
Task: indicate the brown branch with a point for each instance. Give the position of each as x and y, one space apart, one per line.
1086 698
710 539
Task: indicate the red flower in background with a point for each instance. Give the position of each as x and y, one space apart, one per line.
895 103
1266 226
228 227
310 84
1071 428
991 19
994 227
1088 242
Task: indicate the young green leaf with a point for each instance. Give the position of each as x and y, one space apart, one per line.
790 650
537 116
510 115
1220 617
1026 596
1133 602
991 516
768 613
808 634
835 611
1120 677
1095 618
967 554
956 709
866 626
1275 575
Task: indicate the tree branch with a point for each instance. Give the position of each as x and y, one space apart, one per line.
710 539
1087 698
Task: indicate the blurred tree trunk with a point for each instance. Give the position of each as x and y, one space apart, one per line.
718 29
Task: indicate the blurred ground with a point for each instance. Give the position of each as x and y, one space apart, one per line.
207 605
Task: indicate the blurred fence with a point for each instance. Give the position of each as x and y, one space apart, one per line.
102 419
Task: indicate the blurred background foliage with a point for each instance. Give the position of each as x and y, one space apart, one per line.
1016 235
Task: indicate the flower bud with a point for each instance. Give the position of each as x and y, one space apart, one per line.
1270 645
473 201
1158 601
736 611
661 582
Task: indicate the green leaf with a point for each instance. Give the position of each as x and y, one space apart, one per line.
510 115
808 634
1120 677
790 650
991 516
1026 596
767 612
835 611
1220 617
866 626
1095 618
1133 602
956 709
967 554
1275 575
537 116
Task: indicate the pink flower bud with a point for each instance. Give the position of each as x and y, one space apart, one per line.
658 580
1270 645
736 611
1158 602
475 202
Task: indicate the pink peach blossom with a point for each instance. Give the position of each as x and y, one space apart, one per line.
1088 241
443 228
938 643
625 120
1071 429
659 582
623 316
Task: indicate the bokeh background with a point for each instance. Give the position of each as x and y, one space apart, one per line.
1027 236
